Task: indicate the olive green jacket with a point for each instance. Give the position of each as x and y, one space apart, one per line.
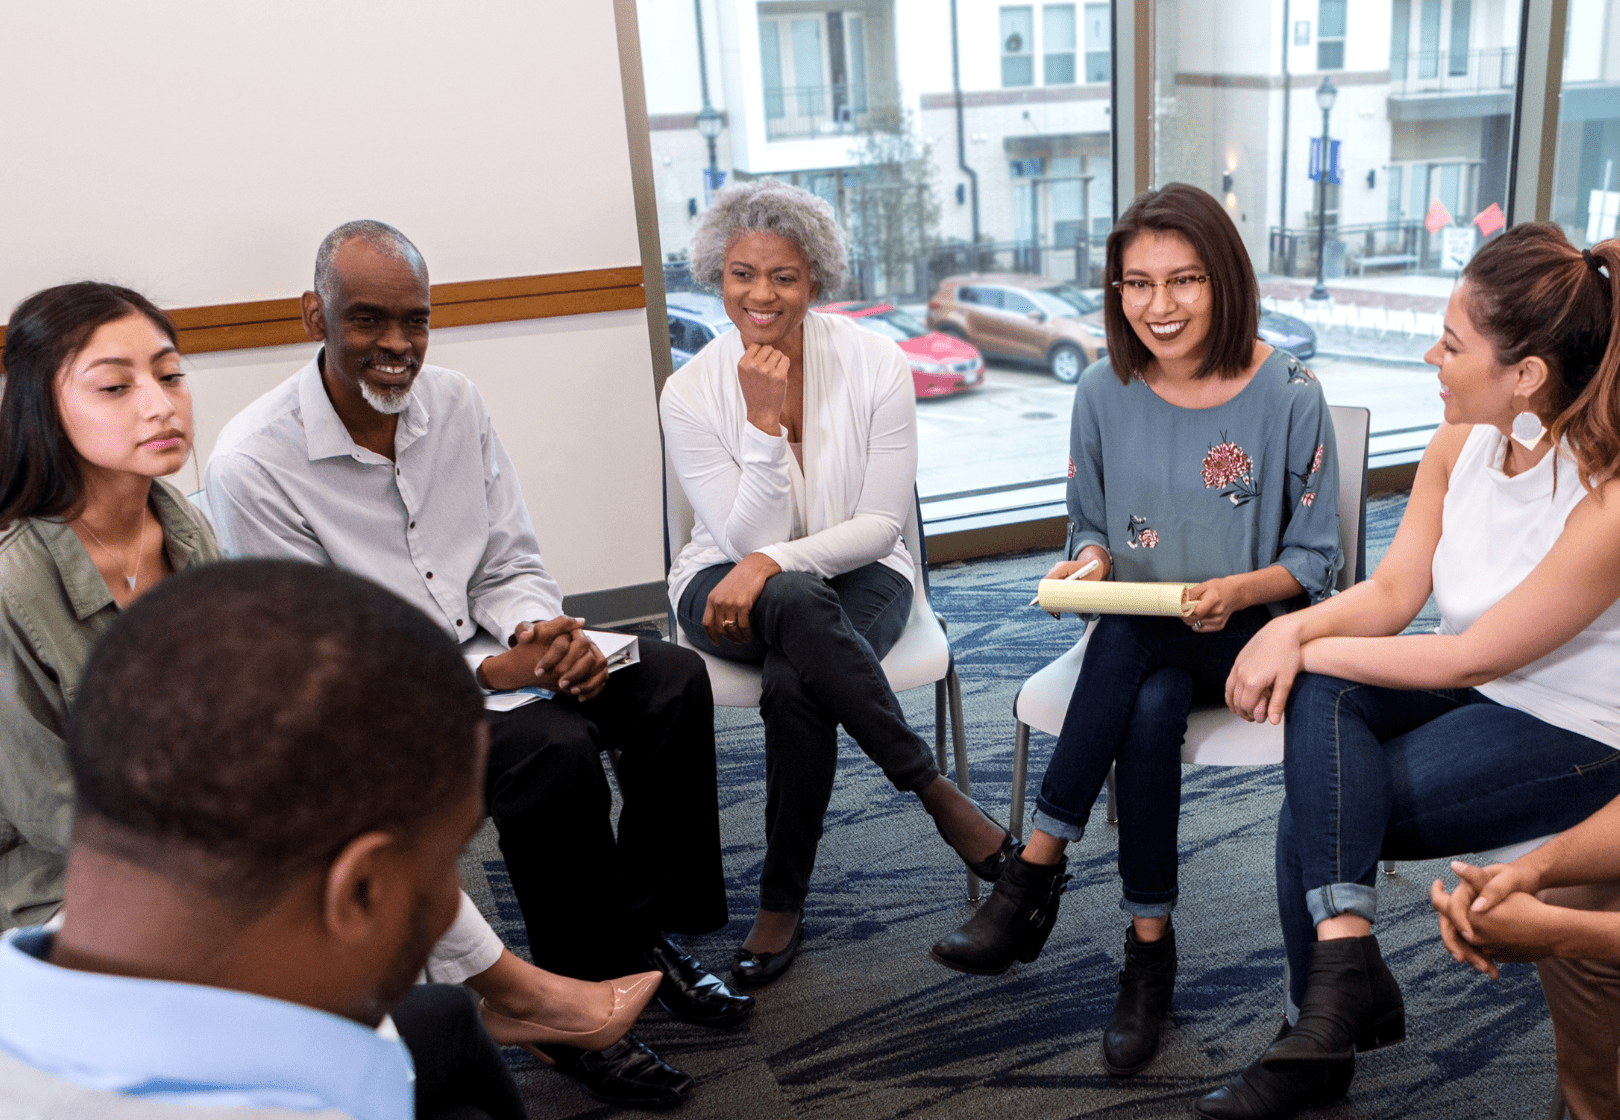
53 606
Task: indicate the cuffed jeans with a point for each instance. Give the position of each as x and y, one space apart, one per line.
818 644
1138 682
1391 773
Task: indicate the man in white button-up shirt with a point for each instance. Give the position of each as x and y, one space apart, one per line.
372 460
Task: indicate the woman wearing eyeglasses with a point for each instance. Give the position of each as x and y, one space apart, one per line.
1197 454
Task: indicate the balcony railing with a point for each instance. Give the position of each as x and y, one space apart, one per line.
1421 73
835 109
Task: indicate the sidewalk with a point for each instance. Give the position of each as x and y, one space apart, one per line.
1380 317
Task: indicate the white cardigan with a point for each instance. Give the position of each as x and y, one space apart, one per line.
847 508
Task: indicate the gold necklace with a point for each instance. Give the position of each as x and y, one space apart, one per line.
140 546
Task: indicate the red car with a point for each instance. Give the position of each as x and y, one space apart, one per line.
940 364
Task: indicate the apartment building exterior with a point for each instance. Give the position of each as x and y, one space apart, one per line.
1012 101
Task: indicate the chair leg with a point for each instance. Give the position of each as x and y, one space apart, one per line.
940 690
959 738
1389 867
1019 777
1111 807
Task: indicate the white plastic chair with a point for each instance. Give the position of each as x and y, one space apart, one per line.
1215 737
921 656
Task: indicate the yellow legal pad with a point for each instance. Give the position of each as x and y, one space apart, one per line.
1089 596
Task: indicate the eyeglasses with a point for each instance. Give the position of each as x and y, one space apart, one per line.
1183 289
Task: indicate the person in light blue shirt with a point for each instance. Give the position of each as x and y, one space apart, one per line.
277 766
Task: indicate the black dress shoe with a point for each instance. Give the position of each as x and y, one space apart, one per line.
761 968
1012 924
627 1074
691 994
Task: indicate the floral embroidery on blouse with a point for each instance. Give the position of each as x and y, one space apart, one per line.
1309 497
1228 466
1298 374
1071 466
1138 535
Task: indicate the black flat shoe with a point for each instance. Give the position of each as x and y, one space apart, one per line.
1262 1093
627 1074
692 994
761 968
991 866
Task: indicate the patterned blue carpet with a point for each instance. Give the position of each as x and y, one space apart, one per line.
866 1025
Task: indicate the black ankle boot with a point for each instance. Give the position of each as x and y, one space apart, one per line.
1013 922
1259 1093
1351 1003
1145 983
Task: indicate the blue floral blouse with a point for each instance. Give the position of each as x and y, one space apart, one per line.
1194 494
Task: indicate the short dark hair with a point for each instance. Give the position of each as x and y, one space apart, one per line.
1533 294
1235 323
243 721
39 473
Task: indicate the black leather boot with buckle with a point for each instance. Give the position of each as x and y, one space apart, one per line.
1012 924
1131 1038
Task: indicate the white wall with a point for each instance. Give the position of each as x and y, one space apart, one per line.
199 151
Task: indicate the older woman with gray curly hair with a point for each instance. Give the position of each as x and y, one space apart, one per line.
795 439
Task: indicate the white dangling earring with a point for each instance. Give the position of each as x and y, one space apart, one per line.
1528 430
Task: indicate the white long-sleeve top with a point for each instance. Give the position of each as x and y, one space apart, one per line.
846 508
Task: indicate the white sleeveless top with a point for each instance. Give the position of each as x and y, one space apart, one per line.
1494 530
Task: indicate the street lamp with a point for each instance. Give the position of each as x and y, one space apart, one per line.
1326 94
709 120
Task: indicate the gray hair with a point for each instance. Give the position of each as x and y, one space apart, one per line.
771 206
379 235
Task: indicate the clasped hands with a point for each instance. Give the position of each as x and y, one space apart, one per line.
555 654
1494 916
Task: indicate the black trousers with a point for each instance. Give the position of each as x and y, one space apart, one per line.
818 644
459 1071
592 901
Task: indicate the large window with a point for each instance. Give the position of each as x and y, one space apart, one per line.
813 72
1331 17
1018 46
1586 177
1057 29
1363 266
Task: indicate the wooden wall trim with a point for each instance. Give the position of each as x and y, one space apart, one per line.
276 322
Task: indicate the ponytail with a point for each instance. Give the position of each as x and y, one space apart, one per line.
1533 294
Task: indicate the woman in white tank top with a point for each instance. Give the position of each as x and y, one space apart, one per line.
1504 724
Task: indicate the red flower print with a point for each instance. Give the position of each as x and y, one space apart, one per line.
1308 498
1228 465
1138 535
1316 463
1225 464
1071 466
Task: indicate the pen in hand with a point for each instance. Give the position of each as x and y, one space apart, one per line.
1081 572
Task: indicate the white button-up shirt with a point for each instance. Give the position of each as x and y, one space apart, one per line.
443 525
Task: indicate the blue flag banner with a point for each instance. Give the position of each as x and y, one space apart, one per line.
1334 170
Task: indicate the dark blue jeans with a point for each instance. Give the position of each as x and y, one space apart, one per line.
1139 680
818 644
1393 773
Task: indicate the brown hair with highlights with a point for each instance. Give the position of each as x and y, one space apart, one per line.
1533 294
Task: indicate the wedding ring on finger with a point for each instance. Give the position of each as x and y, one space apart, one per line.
1198 624
729 624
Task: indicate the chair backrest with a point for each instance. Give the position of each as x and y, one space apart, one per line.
1350 434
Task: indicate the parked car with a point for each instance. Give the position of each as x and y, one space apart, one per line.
940 365
1288 333
694 319
1025 318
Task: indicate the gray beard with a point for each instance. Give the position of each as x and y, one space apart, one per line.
389 403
